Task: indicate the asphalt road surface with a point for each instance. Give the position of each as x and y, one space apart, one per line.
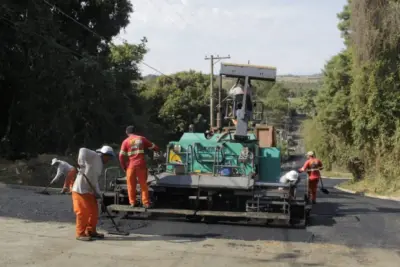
38 230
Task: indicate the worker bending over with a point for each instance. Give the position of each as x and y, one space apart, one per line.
312 166
133 148
64 169
86 191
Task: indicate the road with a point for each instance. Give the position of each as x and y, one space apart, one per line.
38 230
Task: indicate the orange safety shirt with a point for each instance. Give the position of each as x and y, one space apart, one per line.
133 147
314 164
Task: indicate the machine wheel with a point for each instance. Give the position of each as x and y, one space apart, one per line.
297 223
211 219
307 220
269 221
193 218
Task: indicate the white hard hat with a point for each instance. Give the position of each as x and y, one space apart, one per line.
54 161
310 153
106 150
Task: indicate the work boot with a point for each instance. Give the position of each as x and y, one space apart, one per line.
134 205
96 235
84 238
148 205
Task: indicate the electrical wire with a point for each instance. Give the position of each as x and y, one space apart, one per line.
95 33
51 41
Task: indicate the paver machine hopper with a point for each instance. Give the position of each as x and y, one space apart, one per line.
232 174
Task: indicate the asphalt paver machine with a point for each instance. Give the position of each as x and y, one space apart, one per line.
230 175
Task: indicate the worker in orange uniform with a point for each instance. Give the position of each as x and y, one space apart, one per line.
133 148
312 166
64 169
86 191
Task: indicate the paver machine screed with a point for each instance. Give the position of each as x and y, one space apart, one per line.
230 175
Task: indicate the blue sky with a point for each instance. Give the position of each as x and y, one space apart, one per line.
296 36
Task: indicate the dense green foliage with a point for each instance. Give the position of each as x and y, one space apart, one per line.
64 84
357 110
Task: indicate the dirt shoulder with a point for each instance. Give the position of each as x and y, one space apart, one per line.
336 174
48 244
35 172
372 188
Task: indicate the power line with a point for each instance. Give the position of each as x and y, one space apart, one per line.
53 42
71 18
144 63
57 45
159 9
93 32
177 12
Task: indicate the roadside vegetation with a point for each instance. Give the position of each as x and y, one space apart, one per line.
354 120
64 84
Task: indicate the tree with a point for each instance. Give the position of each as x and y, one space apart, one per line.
307 102
357 109
277 103
177 100
60 84
330 131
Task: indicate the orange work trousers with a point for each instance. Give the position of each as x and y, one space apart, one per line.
70 179
312 188
141 174
87 213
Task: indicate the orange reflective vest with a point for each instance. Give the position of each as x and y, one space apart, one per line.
311 166
133 147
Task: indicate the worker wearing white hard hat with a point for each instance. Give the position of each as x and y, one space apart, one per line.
85 193
310 154
66 170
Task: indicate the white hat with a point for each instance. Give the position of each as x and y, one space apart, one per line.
310 153
106 150
54 161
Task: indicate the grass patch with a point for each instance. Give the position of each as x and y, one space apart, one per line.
373 186
336 174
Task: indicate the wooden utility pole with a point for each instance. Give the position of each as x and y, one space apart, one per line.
212 58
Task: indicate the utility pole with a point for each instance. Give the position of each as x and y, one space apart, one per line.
212 58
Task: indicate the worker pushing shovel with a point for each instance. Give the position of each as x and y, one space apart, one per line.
313 166
86 191
63 169
66 170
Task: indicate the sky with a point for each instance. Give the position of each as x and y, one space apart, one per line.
295 36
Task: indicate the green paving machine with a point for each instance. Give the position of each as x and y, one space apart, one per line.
225 174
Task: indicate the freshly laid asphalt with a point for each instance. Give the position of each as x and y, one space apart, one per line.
346 229
338 218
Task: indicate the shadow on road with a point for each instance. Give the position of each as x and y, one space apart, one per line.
337 218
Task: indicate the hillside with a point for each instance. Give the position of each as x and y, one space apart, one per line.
314 78
296 84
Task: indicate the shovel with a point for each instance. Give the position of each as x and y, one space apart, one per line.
323 189
117 230
44 191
